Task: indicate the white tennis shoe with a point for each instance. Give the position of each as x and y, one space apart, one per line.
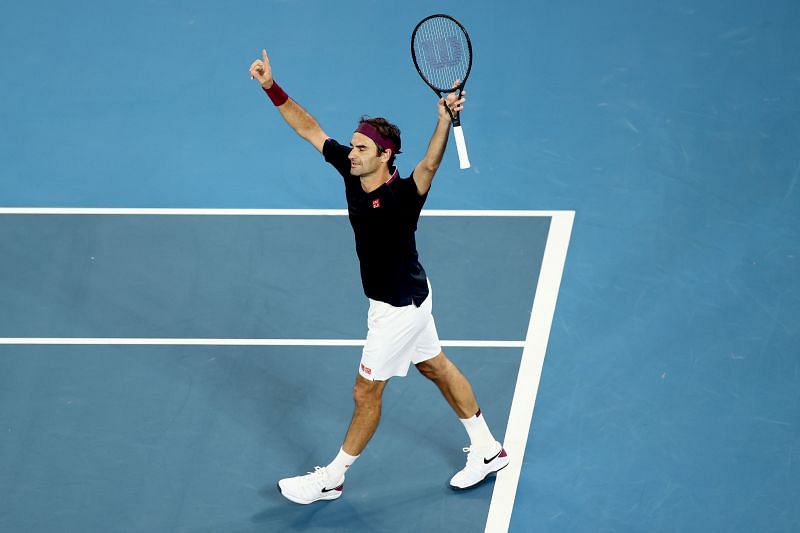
311 487
481 463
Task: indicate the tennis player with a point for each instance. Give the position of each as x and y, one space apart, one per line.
384 209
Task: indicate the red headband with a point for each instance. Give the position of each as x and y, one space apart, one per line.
365 128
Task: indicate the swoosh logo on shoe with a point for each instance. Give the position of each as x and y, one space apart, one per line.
487 461
334 488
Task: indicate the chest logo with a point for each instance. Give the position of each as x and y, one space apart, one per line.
376 203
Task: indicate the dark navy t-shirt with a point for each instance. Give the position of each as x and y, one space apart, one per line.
384 222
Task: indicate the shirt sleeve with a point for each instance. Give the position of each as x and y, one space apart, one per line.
414 196
411 200
338 156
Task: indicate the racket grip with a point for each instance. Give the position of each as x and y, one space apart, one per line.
461 146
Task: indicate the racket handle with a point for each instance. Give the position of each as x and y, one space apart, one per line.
461 146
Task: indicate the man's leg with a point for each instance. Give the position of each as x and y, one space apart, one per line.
327 483
451 382
367 396
485 454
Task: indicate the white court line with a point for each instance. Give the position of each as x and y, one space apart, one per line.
254 212
104 341
534 346
530 371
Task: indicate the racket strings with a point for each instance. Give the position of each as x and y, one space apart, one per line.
442 52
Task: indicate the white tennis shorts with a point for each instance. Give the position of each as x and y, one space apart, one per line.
397 337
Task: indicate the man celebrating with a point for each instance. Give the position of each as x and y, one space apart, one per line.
384 210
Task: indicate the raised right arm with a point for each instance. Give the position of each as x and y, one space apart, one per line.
298 118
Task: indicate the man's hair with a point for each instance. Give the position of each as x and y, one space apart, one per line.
387 129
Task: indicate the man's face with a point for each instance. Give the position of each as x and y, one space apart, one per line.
364 157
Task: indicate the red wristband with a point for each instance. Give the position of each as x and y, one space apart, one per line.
276 94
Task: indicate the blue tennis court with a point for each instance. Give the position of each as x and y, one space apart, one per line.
181 316
170 345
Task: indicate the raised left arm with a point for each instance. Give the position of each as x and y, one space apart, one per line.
426 169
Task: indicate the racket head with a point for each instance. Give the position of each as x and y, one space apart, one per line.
442 52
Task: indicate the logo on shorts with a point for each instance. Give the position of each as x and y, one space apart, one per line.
366 370
376 203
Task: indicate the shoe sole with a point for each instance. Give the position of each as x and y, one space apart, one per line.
333 495
487 476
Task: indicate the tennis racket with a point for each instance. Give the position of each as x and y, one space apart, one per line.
442 53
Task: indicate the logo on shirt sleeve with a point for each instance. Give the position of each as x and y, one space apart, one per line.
376 203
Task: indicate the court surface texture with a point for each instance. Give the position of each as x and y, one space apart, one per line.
181 316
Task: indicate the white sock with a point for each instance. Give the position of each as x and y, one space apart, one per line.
478 431
340 464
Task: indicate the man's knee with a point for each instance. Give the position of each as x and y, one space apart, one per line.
435 368
367 393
